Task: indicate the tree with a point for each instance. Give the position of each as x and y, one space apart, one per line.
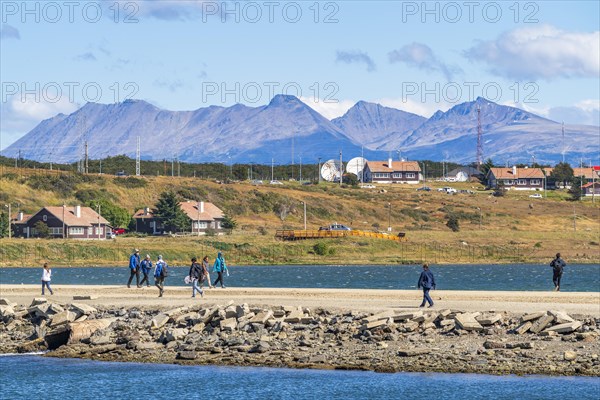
485 168
575 191
42 229
453 223
3 224
118 217
170 213
228 222
562 173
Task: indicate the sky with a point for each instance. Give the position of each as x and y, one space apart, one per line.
420 57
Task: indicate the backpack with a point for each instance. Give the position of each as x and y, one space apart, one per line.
164 272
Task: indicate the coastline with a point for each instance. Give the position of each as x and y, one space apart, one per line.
325 329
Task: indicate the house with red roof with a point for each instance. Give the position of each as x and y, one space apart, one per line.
392 172
203 216
517 178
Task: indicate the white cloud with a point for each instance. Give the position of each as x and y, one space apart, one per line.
19 117
356 57
542 52
585 112
421 56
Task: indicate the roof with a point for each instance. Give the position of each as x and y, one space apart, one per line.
590 184
587 172
211 212
522 173
468 170
397 166
190 208
14 220
88 216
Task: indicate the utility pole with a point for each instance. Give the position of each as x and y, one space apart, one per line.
301 171
479 139
319 170
304 202
85 170
563 142
10 221
341 169
137 158
272 164
63 222
98 222
389 217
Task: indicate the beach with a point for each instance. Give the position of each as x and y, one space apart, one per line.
549 333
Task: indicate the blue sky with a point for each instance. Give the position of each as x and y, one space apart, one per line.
542 56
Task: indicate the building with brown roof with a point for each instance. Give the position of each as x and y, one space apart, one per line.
517 178
392 172
202 216
72 222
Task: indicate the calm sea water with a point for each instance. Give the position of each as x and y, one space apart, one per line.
576 278
35 377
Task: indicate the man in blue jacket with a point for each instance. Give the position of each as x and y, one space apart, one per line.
146 266
558 265
427 282
134 268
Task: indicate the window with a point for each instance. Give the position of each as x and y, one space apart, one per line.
90 231
45 218
522 182
509 182
381 175
100 231
410 174
76 231
397 175
537 182
200 225
56 231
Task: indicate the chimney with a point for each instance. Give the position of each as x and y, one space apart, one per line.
390 162
20 216
201 206
146 210
78 211
514 170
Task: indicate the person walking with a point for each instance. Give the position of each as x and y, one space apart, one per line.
196 276
46 278
558 264
160 273
220 267
134 268
427 282
206 274
146 266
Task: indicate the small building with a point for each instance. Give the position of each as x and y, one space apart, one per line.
202 217
589 174
78 223
591 189
516 178
392 172
463 174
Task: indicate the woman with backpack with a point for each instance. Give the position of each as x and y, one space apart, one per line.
196 276
161 271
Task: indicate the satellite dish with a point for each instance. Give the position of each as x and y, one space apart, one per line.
332 170
356 166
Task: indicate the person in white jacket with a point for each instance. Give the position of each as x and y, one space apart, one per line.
46 277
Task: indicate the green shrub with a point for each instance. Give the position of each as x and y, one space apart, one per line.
131 182
453 223
321 248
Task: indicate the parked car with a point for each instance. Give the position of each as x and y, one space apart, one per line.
367 186
275 182
447 189
119 231
335 227
536 196
257 182
424 188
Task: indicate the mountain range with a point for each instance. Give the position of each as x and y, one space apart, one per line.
287 130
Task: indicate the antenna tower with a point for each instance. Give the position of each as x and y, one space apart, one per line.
479 139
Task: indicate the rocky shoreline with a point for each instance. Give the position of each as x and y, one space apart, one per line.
415 340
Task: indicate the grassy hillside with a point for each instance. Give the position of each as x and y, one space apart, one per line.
513 228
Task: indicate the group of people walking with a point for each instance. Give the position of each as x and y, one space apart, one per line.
197 275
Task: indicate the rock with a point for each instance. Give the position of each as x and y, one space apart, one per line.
524 327
62 318
55 308
148 346
101 339
564 328
38 300
425 318
261 317
374 324
569 355
244 309
406 315
541 324
561 317
83 308
228 324
488 320
175 311
85 297
491 344
410 326
231 312
377 317
412 352
552 333
382 345
5 302
159 321
294 316
532 316
318 359
176 334
6 311
199 327
261 347
467 322
187 355
446 322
